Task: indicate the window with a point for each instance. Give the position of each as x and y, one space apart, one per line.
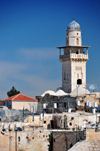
44 122
76 52
71 145
77 76
70 124
64 104
77 41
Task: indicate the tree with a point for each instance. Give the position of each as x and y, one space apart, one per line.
12 92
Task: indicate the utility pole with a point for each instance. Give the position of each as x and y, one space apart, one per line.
33 118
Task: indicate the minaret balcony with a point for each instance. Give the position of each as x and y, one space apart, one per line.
74 56
79 56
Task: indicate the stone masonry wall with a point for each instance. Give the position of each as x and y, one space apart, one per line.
63 140
24 141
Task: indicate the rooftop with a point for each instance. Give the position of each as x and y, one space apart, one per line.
73 47
20 97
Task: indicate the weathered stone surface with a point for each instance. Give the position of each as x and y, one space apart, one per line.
92 143
24 141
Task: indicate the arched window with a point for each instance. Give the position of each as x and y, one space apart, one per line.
77 41
71 145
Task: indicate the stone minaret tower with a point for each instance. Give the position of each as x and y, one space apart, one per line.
73 58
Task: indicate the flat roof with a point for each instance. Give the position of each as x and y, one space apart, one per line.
73 47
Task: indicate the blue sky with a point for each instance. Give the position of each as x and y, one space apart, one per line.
30 31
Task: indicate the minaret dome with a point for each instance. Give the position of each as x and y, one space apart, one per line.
73 26
73 34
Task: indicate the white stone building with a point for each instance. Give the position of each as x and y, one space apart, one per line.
73 58
20 101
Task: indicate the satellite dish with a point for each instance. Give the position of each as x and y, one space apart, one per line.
92 87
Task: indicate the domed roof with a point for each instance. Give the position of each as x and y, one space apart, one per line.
80 91
58 93
73 26
50 92
61 93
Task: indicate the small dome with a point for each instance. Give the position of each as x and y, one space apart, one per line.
73 26
61 93
80 91
50 92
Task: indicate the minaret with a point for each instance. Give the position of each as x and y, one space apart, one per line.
73 58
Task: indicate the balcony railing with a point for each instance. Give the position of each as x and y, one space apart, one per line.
64 56
74 56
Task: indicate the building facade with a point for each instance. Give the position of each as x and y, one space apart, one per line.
20 101
73 58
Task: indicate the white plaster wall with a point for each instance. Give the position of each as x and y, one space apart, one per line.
82 73
71 38
20 104
70 69
74 33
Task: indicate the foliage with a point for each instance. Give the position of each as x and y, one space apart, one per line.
51 142
65 116
12 92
